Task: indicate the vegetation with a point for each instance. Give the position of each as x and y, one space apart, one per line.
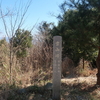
21 41
26 60
78 27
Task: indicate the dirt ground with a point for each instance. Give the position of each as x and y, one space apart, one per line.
89 80
79 88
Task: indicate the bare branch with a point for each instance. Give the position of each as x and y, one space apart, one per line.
24 13
4 22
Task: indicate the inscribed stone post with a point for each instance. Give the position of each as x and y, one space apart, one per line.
57 55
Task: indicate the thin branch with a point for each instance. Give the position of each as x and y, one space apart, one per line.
5 25
23 15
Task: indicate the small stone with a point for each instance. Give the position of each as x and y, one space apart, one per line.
21 91
48 86
49 99
40 95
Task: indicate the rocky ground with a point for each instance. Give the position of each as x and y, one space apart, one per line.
79 88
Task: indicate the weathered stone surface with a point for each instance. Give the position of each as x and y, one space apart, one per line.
48 86
57 56
29 89
21 91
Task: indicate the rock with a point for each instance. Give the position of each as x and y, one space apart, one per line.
49 99
48 86
29 89
41 90
21 91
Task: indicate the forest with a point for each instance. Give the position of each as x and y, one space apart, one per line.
26 60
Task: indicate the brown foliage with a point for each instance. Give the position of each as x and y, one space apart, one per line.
68 67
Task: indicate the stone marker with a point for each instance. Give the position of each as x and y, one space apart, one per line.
57 55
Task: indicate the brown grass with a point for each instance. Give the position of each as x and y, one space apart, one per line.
36 70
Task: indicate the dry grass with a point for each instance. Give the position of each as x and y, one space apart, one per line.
36 70
71 89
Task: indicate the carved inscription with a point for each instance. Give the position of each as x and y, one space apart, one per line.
57 50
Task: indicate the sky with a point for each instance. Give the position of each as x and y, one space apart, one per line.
39 10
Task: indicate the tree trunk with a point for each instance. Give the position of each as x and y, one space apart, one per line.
98 67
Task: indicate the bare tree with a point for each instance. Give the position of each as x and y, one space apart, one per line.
16 21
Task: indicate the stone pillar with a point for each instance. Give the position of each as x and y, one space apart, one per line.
57 55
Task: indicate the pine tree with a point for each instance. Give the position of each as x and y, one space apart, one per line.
21 41
79 28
